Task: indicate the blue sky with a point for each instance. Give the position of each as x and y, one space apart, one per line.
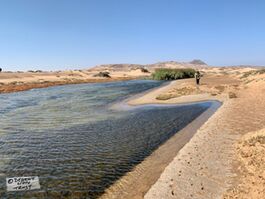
64 34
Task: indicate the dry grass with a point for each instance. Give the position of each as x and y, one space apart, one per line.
250 153
177 93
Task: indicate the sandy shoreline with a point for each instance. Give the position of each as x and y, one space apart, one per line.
16 87
21 81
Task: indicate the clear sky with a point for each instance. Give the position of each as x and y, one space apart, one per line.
61 34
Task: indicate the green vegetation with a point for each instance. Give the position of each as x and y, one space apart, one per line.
173 74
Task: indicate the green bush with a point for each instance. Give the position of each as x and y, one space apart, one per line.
173 74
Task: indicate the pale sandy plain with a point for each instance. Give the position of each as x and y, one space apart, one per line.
223 156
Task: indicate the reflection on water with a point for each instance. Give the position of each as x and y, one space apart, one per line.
77 146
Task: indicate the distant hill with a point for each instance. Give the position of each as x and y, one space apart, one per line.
196 64
117 67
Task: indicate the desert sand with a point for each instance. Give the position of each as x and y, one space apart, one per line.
223 157
250 153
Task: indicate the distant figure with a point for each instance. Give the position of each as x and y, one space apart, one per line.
197 77
0 70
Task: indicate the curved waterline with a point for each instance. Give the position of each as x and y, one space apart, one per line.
78 147
137 182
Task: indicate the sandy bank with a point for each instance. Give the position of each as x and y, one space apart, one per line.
207 166
211 88
21 81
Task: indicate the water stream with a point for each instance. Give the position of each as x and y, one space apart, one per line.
77 145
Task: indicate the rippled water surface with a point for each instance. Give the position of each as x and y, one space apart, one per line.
77 145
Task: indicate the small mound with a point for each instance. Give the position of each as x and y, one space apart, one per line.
250 153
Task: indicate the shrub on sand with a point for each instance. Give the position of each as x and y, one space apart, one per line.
173 74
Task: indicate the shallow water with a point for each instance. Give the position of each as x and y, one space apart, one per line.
77 145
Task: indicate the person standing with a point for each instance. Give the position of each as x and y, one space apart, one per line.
0 70
197 77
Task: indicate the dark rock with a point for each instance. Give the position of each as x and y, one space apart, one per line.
102 74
